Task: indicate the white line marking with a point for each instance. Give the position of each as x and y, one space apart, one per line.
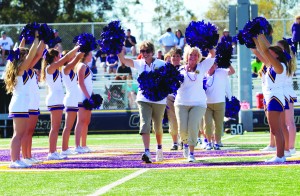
229 137
107 188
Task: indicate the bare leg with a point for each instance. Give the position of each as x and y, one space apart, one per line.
274 123
20 127
56 116
284 131
27 139
146 140
69 122
290 122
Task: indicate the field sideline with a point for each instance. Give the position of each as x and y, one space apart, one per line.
115 169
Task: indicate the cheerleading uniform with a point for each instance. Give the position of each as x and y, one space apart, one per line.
272 87
289 92
88 82
54 99
34 95
71 98
18 106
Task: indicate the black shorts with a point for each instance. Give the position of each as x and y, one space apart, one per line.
6 52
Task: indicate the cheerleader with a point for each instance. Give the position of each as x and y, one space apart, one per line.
190 101
34 100
85 85
16 81
71 100
52 76
272 85
290 96
175 57
148 110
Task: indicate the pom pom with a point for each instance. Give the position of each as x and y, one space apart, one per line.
47 34
97 99
88 104
28 32
202 35
112 38
86 41
232 107
14 55
258 25
223 54
158 84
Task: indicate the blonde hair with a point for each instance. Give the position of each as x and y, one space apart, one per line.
166 56
297 17
12 71
189 50
48 59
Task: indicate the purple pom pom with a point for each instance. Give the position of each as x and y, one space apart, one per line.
158 84
88 104
86 41
46 33
97 100
112 38
232 107
28 32
202 35
223 54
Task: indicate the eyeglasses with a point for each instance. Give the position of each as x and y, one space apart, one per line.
147 51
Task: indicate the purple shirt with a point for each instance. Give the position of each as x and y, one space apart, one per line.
296 32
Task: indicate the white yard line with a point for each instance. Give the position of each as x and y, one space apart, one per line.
229 137
107 188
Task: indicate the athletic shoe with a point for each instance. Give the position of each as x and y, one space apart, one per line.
55 156
199 141
35 160
293 151
276 160
174 147
220 144
186 152
68 152
268 149
79 149
159 155
146 157
87 149
28 161
287 153
208 146
217 147
191 159
18 164
204 143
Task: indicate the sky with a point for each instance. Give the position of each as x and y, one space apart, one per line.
199 7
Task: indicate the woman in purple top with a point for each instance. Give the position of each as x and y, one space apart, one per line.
296 32
112 63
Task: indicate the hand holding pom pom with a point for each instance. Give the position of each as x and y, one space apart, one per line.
112 38
47 34
202 35
86 41
97 100
28 32
88 104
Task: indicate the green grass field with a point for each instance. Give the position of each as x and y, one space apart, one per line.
189 179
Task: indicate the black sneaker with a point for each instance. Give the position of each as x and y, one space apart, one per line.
146 157
175 147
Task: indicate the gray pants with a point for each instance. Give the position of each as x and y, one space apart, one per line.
188 118
173 127
151 111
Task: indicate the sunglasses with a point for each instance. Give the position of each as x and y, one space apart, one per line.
147 51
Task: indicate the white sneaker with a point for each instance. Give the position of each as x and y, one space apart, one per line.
35 160
208 146
185 152
147 157
87 149
287 153
293 151
191 159
204 143
54 156
79 149
276 160
268 149
68 152
159 155
18 164
28 161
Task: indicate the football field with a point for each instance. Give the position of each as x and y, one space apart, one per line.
116 169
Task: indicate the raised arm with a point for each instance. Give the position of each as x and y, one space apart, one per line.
125 61
39 54
63 60
258 55
72 64
266 54
22 43
32 51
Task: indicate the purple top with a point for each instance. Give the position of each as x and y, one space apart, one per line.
296 32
